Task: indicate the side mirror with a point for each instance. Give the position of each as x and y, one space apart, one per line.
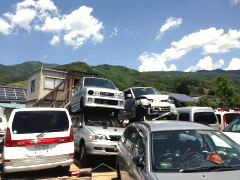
139 161
80 125
129 96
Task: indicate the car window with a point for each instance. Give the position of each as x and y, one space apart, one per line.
219 118
139 145
234 126
205 117
144 91
129 138
231 116
102 83
184 116
39 121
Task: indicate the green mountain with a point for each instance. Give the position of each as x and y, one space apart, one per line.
20 72
121 76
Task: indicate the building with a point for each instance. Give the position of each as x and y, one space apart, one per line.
11 98
52 88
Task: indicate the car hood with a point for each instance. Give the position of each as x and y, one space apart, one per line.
220 175
106 131
156 97
235 136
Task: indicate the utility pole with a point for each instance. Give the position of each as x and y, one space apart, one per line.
43 59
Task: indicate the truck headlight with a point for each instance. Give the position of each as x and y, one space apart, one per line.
98 137
116 95
97 93
121 95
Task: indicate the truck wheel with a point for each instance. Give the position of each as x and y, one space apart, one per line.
141 114
83 155
81 105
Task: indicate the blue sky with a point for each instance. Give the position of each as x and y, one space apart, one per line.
146 35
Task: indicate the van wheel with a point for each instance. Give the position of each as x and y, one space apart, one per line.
83 155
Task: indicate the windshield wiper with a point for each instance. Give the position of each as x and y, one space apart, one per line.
211 168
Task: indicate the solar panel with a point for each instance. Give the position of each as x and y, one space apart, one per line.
9 93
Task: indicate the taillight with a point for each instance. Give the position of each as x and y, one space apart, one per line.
224 121
71 138
8 138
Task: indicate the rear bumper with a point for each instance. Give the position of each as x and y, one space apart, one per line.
9 169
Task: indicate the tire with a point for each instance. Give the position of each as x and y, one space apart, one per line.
141 114
66 168
81 105
118 171
82 155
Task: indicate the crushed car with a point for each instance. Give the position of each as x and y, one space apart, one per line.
146 103
93 92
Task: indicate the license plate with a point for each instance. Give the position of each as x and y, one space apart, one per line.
41 147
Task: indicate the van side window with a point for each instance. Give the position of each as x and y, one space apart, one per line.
184 116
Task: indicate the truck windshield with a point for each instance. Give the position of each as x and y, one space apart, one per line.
96 82
39 121
96 120
144 91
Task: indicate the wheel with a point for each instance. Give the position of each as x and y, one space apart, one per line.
66 168
141 114
83 155
81 105
118 171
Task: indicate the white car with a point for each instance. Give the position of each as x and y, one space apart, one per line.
96 134
233 130
38 138
92 92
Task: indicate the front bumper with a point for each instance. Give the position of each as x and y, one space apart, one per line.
101 147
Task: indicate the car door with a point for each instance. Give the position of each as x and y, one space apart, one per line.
125 153
129 103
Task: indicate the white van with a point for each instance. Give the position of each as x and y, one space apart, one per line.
203 115
38 138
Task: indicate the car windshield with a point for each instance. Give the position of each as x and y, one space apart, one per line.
39 121
234 126
144 91
96 120
96 82
192 149
205 118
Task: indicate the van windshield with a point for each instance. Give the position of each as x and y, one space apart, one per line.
96 120
39 122
205 117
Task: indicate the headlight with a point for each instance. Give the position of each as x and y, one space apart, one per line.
121 95
98 137
116 95
97 93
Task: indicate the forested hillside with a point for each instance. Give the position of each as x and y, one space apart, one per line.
123 77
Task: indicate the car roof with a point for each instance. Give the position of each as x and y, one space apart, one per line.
166 125
40 109
189 108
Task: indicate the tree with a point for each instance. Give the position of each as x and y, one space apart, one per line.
200 91
183 88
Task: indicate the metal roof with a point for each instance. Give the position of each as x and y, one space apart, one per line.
181 97
12 94
14 106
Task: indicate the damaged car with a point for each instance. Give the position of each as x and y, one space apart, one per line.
146 103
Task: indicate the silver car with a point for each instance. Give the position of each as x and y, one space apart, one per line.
176 150
96 134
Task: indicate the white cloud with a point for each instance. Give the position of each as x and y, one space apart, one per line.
4 27
206 64
234 2
76 27
234 64
114 33
154 62
170 23
55 40
210 41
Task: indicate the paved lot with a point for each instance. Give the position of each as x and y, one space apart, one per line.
103 168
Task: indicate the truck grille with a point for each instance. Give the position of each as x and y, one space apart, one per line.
160 109
106 94
37 160
106 101
114 138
